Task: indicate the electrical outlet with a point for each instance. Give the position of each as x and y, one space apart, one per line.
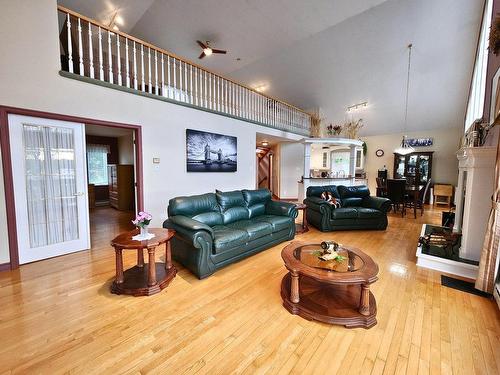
156 160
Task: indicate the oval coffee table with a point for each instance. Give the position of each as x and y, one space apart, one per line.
329 291
144 279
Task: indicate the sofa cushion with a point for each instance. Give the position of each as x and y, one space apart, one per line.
316 191
230 199
253 197
277 222
360 191
209 218
352 202
255 229
234 214
193 205
368 213
233 206
345 213
256 201
226 238
256 210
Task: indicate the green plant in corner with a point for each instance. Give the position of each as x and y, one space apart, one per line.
365 148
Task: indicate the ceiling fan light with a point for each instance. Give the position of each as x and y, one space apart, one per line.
207 51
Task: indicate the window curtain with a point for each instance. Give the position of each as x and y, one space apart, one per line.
488 264
50 185
97 162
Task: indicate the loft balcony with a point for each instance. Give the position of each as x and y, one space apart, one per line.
96 53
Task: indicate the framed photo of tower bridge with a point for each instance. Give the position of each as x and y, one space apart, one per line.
210 152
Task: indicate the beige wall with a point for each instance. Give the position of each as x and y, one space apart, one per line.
444 161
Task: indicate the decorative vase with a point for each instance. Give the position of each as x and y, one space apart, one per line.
144 231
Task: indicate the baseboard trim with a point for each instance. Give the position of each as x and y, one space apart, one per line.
5 267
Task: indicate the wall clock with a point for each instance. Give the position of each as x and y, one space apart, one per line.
379 153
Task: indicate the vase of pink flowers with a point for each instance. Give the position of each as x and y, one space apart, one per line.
142 221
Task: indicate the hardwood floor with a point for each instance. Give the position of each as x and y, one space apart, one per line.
58 316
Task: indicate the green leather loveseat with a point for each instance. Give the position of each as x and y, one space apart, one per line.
214 230
358 210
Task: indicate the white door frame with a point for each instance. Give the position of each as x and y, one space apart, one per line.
19 181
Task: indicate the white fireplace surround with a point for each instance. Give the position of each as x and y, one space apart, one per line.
473 197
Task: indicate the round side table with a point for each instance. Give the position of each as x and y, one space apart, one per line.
144 279
302 228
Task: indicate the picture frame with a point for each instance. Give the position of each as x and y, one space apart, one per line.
210 152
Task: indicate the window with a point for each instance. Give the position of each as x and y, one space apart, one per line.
97 164
325 159
475 105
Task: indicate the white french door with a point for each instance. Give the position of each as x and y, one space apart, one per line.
50 187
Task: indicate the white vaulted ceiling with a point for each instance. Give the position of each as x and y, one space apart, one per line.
324 53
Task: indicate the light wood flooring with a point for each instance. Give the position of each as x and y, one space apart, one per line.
58 316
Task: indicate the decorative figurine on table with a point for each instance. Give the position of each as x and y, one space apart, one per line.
329 251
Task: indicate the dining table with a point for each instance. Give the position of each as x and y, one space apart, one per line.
412 191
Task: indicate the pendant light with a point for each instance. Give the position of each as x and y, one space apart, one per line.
405 148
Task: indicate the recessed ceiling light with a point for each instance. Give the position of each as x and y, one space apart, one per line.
265 143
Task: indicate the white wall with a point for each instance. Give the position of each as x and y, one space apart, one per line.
444 160
126 149
291 169
29 79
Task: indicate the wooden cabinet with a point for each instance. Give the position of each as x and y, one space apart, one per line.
415 167
121 187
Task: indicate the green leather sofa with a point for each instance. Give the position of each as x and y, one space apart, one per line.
358 209
214 230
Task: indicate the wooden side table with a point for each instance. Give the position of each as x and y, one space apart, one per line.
144 279
302 228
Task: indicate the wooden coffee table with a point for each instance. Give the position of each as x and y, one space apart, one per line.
329 291
144 279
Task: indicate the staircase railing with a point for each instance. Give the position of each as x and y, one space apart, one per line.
96 51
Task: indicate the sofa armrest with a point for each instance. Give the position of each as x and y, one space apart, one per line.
281 208
377 203
317 204
187 226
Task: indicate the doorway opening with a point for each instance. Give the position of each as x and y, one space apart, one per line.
112 196
46 183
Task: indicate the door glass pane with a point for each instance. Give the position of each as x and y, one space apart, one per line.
423 168
50 184
412 165
400 170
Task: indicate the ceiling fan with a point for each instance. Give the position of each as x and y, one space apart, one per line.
207 50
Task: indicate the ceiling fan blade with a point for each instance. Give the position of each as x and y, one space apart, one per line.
201 44
202 55
218 51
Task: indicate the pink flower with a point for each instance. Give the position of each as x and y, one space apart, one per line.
142 219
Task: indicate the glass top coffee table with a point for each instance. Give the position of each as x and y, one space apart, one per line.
335 292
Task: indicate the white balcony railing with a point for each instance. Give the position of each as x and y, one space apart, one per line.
93 50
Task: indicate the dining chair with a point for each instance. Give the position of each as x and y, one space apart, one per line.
396 192
422 196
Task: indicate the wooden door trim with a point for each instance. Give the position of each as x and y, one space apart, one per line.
7 165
